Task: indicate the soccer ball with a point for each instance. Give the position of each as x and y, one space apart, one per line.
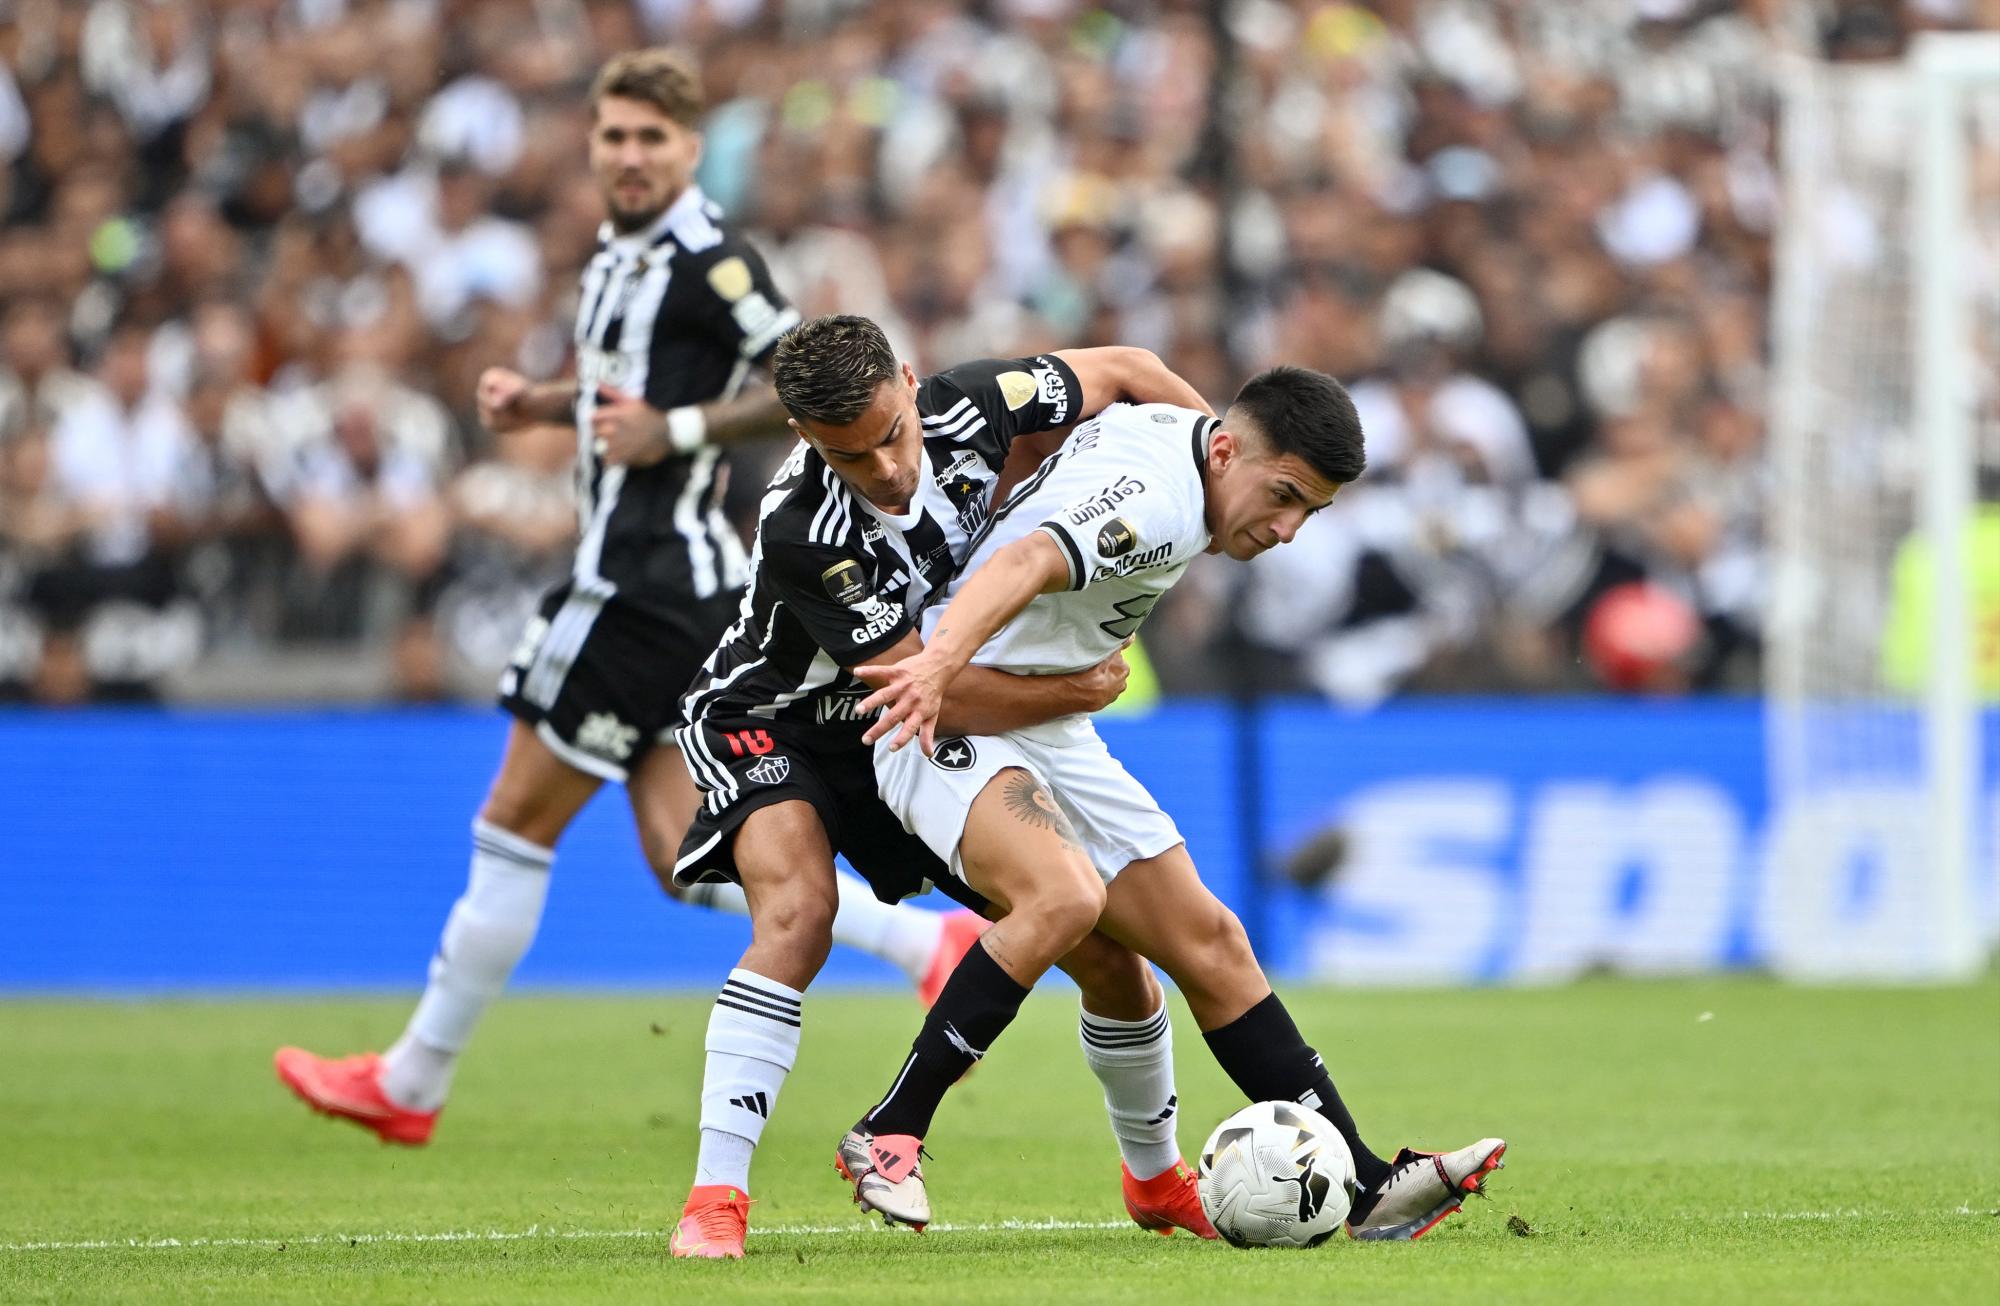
1276 1174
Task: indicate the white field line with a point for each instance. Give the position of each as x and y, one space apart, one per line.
536 1231
531 1232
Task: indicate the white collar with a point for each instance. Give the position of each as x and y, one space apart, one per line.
686 204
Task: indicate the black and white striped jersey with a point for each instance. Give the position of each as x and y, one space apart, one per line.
678 314
836 580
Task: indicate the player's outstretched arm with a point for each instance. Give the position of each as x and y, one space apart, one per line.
1114 374
910 693
632 432
508 401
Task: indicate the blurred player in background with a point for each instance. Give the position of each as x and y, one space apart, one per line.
674 312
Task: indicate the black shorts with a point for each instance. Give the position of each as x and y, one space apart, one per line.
601 681
743 764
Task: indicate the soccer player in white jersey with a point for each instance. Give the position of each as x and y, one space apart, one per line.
1067 571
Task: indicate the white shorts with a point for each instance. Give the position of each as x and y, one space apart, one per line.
1117 820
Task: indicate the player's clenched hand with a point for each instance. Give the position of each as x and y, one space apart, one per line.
502 398
910 694
628 430
1102 684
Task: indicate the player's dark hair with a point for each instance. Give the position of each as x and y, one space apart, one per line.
1299 411
664 78
827 369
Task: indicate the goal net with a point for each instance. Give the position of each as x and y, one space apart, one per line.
1883 656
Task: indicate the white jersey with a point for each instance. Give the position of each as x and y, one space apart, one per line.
1123 500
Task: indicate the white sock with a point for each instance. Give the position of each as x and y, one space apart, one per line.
904 936
753 1040
486 935
1134 1060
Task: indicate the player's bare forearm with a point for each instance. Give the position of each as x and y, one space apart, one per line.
982 701
1125 374
994 595
631 431
754 414
551 401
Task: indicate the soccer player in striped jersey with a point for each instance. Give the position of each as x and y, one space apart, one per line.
1047 821
871 515
676 311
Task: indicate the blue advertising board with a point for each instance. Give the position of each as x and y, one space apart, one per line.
1486 841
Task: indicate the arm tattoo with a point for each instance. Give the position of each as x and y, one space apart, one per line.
1030 802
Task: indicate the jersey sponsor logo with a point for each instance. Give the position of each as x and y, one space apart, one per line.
1116 538
1106 500
1016 388
595 367
755 315
1054 391
845 583
605 735
730 278
1165 418
963 467
1159 555
839 707
770 771
884 620
953 755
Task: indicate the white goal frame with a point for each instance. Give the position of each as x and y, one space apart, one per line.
1942 71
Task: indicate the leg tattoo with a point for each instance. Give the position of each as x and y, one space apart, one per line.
1030 801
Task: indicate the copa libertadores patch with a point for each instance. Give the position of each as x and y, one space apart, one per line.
844 582
1116 538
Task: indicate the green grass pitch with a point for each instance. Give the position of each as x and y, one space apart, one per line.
1708 1141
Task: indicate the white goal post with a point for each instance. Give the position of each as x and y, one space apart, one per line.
1886 321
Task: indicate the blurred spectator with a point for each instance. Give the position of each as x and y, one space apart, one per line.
1533 235
363 495
514 522
36 382
105 514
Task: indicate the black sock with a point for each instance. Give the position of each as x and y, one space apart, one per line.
1267 1057
978 1001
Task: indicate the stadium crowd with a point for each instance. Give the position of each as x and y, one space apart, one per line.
255 253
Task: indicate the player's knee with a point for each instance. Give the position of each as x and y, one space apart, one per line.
1221 933
1069 906
523 810
509 810
798 919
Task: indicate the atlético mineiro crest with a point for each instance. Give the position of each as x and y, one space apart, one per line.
770 771
952 755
